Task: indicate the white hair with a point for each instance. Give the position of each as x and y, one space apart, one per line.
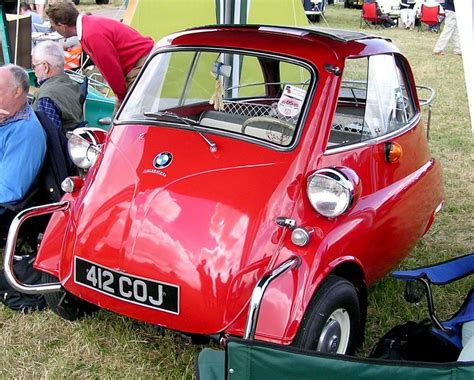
19 77
50 52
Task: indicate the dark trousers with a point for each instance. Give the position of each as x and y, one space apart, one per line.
5 221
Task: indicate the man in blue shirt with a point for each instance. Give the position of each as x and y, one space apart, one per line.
22 140
25 10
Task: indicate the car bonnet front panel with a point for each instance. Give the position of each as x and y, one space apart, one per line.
204 223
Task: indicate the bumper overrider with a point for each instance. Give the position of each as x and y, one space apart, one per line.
11 244
255 300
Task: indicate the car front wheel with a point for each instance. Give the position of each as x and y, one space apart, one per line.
332 320
65 304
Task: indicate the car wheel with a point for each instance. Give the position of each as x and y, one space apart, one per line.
65 304
101 1
77 2
347 4
332 320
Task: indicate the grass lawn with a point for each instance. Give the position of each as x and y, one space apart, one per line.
42 345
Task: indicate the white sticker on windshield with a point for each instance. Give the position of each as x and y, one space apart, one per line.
291 101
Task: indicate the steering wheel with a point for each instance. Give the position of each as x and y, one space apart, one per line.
276 130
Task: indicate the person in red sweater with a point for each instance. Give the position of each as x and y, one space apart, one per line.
117 50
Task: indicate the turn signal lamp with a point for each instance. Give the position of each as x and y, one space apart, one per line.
71 184
393 152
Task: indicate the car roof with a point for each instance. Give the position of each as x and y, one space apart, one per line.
314 44
335 34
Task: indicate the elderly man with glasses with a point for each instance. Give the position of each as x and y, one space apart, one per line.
58 95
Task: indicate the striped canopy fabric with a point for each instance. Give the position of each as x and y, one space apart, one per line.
158 18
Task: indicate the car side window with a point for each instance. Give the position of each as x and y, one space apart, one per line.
348 126
374 100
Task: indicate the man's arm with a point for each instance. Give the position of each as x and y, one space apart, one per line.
51 110
21 162
105 56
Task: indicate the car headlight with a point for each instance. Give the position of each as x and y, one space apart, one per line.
83 148
331 192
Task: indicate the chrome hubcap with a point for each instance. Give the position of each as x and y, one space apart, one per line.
335 335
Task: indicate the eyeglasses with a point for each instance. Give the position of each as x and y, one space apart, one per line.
33 66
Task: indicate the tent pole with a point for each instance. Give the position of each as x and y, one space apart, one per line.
4 31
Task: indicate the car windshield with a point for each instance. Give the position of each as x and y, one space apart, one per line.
261 97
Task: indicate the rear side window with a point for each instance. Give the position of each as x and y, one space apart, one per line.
374 100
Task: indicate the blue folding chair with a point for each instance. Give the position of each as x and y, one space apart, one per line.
442 274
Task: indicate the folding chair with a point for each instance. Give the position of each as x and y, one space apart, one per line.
441 274
369 16
428 16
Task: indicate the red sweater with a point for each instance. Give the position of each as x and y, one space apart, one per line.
114 48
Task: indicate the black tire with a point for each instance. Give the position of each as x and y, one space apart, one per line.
99 2
347 4
332 321
77 2
65 304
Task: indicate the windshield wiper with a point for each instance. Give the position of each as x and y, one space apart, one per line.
189 122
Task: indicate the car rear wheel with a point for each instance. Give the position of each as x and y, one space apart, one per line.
65 304
332 321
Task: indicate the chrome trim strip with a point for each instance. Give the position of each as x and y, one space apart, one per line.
259 291
376 140
11 244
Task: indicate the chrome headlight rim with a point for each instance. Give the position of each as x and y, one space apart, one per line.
342 180
83 147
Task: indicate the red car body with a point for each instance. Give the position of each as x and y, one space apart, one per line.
204 227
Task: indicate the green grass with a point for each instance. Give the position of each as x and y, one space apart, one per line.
42 345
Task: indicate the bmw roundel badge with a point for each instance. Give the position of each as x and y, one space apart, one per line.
162 160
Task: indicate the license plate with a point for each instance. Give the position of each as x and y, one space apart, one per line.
138 290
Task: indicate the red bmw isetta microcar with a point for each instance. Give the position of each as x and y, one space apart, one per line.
252 170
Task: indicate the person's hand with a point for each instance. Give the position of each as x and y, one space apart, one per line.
3 115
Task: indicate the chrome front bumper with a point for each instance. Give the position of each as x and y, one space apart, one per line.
11 244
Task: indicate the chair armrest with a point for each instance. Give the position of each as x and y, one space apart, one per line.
441 273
